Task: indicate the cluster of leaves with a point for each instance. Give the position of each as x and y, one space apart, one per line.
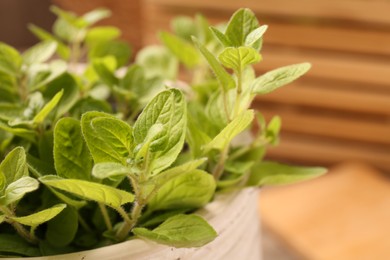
97 156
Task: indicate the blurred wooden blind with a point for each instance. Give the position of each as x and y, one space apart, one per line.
340 110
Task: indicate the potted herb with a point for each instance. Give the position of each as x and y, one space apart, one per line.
94 157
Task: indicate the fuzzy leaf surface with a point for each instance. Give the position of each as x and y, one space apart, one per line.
89 190
238 58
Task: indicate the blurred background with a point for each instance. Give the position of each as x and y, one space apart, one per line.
338 115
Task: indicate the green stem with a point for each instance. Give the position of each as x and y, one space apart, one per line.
84 224
237 103
28 236
218 170
106 218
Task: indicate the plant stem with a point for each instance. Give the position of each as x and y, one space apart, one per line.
106 218
237 103
218 170
129 224
84 224
28 236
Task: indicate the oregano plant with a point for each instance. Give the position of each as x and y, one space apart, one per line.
96 151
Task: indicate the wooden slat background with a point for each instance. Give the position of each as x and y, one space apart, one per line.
340 110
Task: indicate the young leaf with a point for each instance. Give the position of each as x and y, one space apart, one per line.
189 190
101 149
279 77
224 78
242 23
62 50
22 132
17 189
255 35
109 169
221 37
101 34
238 58
13 244
62 229
105 74
40 117
118 49
89 190
71 155
273 129
40 52
271 173
169 109
13 167
236 126
182 49
180 231
171 173
40 217
10 59
95 16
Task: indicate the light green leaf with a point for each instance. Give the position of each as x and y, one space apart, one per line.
54 69
14 244
273 129
100 149
101 34
189 190
43 35
109 169
156 140
10 59
224 78
182 49
17 189
221 37
180 231
238 58
105 74
40 52
173 172
279 77
41 116
255 35
89 190
236 126
22 132
158 61
271 173
13 167
40 217
71 155
242 23
96 15
169 109
2 218
118 49
184 27
62 229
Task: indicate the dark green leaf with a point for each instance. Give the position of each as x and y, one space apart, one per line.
62 229
14 244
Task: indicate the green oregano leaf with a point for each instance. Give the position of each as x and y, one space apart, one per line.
271 173
224 78
62 229
189 190
182 49
71 155
255 35
242 23
238 58
109 169
13 167
14 244
10 59
40 217
168 109
89 190
180 231
17 189
221 37
40 117
279 77
236 126
40 52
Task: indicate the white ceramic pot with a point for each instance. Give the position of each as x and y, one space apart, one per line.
234 216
